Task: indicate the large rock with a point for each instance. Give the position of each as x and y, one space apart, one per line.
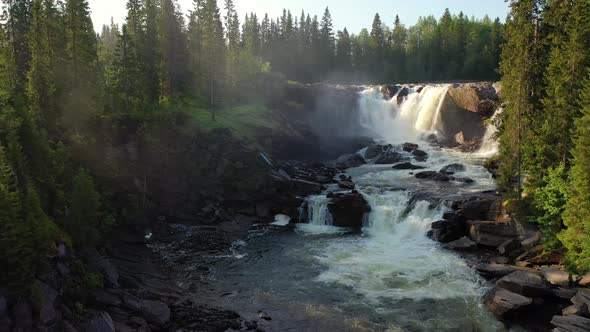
446 231
482 209
491 233
101 322
155 312
390 157
525 283
402 95
348 210
556 277
463 243
389 90
407 166
349 161
506 304
46 297
471 96
409 147
432 175
374 151
582 297
453 168
570 324
420 155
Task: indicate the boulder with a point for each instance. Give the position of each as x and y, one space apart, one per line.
420 155
446 231
348 210
389 90
406 166
584 280
459 138
453 168
495 270
525 283
486 108
409 147
131 302
374 151
349 161
100 322
469 96
509 247
556 277
575 310
389 157
155 312
506 304
104 299
582 297
491 233
346 184
402 95
463 243
432 175
482 209
45 303
570 324
463 180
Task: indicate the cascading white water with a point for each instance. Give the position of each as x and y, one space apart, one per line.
489 146
385 120
394 260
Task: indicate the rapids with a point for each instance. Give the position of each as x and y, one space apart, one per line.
390 277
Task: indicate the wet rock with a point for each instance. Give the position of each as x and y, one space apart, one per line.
482 209
582 297
453 216
446 231
584 280
505 304
575 310
556 277
508 247
453 168
432 175
420 155
389 157
486 108
264 315
346 185
463 243
303 188
564 294
525 283
402 95
492 166
374 151
101 322
409 147
463 180
406 166
531 241
348 210
491 233
349 161
46 297
155 311
495 270
459 138
570 324
389 90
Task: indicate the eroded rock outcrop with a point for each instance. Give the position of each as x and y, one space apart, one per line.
348 209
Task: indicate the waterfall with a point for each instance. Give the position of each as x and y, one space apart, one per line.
419 113
489 146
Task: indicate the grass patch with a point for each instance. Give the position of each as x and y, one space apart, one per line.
244 121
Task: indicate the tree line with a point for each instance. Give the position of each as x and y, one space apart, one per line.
544 129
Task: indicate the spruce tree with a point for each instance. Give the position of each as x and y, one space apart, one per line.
576 237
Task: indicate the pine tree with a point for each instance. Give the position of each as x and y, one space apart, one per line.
83 221
327 42
344 51
149 54
576 238
173 50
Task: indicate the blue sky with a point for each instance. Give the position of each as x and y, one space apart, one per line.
354 15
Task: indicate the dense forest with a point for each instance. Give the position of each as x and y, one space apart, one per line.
61 85
545 156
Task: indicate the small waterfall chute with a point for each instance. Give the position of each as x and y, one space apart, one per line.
489 145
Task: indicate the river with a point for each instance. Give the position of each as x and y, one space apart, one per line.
389 277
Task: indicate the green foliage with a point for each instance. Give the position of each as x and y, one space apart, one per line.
83 221
550 202
576 237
